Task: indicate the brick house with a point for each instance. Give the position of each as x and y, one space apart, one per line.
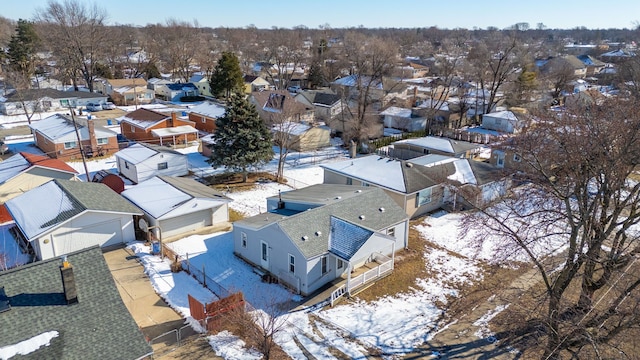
150 126
56 136
204 116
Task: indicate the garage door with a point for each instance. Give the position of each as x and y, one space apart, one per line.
103 234
184 223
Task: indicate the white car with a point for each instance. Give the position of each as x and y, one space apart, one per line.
108 106
93 107
294 89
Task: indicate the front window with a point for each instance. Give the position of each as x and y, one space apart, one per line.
162 166
324 265
70 145
103 141
423 197
292 264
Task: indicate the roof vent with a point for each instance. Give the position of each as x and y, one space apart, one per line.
358 191
318 233
338 197
361 217
305 238
408 165
381 209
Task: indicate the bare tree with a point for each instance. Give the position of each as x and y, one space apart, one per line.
576 221
173 44
493 61
371 59
557 74
75 32
283 51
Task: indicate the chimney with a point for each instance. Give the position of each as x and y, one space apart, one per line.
92 135
174 119
68 282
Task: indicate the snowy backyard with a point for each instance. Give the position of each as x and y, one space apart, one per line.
394 325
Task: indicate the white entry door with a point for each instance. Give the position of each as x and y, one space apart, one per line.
264 255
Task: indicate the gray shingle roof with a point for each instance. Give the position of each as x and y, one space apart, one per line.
97 327
315 224
193 188
97 196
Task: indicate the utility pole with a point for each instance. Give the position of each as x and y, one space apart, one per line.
75 126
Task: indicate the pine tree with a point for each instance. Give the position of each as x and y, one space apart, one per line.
242 140
22 49
227 77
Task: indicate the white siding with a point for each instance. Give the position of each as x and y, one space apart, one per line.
185 223
177 165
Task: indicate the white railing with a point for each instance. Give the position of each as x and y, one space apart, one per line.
338 293
371 275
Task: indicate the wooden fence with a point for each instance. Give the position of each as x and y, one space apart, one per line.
210 314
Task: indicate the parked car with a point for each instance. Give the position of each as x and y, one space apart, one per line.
93 107
294 89
108 106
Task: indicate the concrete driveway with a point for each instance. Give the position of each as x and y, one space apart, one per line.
150 311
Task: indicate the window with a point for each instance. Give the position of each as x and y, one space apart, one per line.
243 237
365 183
391 232
500 162
126 165
163 165
516 158
339 264
324 265
133 129
46 104
423 197
349 181
70 145
204 120
265 252
498 121
103 141
292 264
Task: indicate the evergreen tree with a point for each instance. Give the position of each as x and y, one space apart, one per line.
241 140
22 49
151 71
227 76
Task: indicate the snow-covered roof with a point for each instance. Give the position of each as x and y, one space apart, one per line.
162 200
438 143
208 109
397 112
372 169
506 115
138 152
59 128
20 162
41 209
174 131
293 128
464 173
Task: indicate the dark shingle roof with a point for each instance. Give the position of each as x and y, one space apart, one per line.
143 114
97 327
326 99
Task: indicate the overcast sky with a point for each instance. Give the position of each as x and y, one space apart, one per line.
469 14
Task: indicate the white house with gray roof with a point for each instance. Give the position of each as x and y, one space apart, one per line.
140 162
312 236
412 148
422 184
63 216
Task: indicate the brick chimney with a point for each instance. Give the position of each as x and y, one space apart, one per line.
92 135
68 282
174 119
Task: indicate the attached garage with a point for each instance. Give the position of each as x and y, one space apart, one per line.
103 234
